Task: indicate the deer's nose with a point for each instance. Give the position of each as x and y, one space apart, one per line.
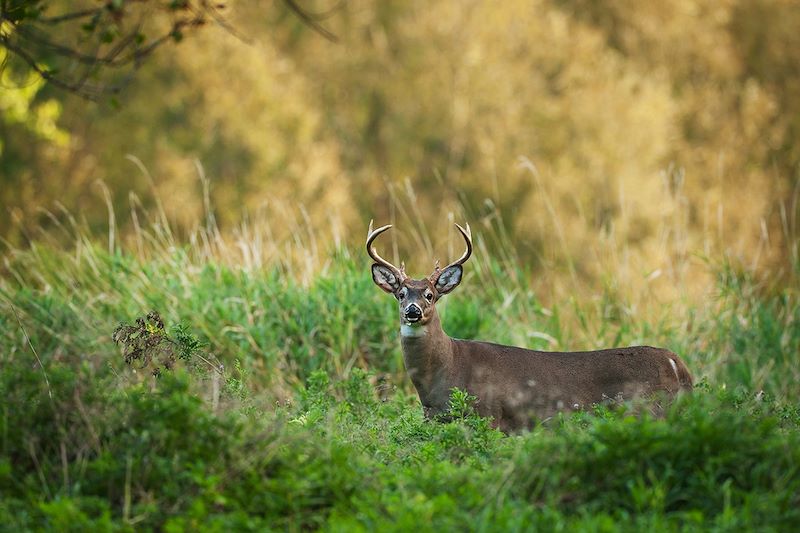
413 313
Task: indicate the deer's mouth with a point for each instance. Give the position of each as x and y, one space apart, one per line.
412 314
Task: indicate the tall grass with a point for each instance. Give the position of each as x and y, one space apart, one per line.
299 414
284 308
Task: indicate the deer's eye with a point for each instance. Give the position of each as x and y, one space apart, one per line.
402 294
429 296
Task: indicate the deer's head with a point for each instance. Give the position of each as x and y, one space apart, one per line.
416 297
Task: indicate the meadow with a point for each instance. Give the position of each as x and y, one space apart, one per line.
237 383
190 339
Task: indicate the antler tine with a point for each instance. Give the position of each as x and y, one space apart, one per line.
371 236
467 234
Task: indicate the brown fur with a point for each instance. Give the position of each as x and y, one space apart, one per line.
517 386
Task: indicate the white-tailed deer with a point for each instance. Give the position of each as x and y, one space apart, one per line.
513 385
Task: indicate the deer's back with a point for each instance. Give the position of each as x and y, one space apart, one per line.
515 385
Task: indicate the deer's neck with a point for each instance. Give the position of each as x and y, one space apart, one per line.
428 354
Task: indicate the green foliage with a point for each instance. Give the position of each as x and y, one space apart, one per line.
312 424
464 319
706 457
159 458
23 114
19 10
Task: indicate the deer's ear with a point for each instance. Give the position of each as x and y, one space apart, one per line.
448 279
385 278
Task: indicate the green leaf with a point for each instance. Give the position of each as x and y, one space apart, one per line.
107 36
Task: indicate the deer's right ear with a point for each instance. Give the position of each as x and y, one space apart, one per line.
385 278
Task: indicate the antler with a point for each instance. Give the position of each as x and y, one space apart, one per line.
371 236
467 234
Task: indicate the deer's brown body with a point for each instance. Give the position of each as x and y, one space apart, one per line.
515 386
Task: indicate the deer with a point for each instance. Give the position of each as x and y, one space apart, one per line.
516 387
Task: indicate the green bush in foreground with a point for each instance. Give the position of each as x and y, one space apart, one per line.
153 455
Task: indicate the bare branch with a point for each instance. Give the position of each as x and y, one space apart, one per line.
71 16
311 20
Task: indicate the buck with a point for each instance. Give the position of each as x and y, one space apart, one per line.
515 386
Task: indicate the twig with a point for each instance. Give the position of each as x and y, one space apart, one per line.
70 16
311 20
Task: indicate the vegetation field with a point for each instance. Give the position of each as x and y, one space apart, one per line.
160 386
190 339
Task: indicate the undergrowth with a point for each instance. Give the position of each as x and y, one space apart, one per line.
252 400
155 455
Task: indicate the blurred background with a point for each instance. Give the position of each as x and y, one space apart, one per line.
645 138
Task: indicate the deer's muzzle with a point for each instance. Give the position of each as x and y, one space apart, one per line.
413 313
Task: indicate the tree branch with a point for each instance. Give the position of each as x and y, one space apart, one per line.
311 20
34 39
89 92
71 16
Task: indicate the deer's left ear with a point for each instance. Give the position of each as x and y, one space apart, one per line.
448 279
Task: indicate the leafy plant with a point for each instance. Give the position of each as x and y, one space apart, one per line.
147 344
